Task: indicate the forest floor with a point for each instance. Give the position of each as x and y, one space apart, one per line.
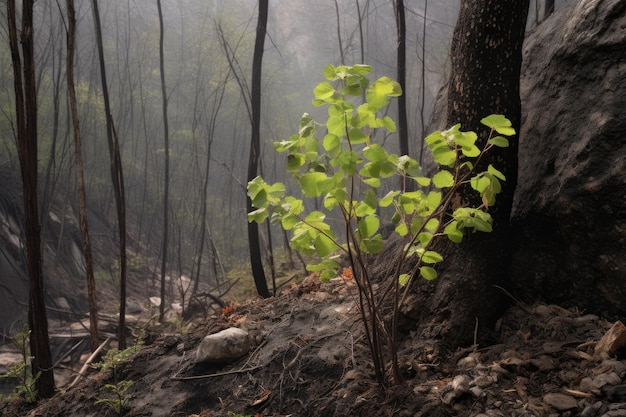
309 359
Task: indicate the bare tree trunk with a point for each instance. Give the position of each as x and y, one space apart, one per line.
255 149
26 115
117 177
484 79
166 143
82 201
403 133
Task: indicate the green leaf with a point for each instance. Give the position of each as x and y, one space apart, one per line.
444 156
372 245
388 198
432 225
443 179
313 184
495 172
331 142
330 73
402 229
431 257
372 182
323 91
368 226
404 279
389 124
356 136
375 153
428 273
378 93
258 215
499 123
454 234
499 141
324 246
361 69
289 221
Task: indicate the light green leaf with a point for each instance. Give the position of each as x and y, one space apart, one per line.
428 273
499 123
454 234
323 91
311 183
375 153
369 225
388 198
495 172
431 257
258 215
402 229
324 246
404 279
499 141
331 142
389 124
357 136
443 179
372 182
372 245
444 156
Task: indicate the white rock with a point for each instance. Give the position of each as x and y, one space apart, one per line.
227 345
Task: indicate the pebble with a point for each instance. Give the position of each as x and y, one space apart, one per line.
560 402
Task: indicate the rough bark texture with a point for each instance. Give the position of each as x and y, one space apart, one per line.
486 60
570 206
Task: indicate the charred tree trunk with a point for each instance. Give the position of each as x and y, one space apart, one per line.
166 142
117 177
403 134
255 149
26 121
82 200
486 60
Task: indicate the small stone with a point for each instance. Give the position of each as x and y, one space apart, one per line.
460 383
560 402
544 363
586 385
615 413
592 410
483 381
466 363
612 342
610 378
476 391
617 406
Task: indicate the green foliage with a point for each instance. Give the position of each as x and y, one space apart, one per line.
117 395
26 387
346 170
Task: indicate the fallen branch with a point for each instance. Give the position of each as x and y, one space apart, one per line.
90 359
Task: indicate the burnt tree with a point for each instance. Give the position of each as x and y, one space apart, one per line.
486 56
26 123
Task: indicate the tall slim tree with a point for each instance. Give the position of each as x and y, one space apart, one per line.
166 144
403 134
117 176
82 200
26 122
484 79
255 149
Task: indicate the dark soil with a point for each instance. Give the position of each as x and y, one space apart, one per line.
309 359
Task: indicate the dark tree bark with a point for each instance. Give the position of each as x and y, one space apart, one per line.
82 200
117 177
166 142
255 149
403 134
486 59
26 121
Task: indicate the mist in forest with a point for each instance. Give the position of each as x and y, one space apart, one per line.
208 49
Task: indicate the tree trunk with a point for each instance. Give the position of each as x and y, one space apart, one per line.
255 149
117 177
26 120
167 165
82 201
486 59
403 134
